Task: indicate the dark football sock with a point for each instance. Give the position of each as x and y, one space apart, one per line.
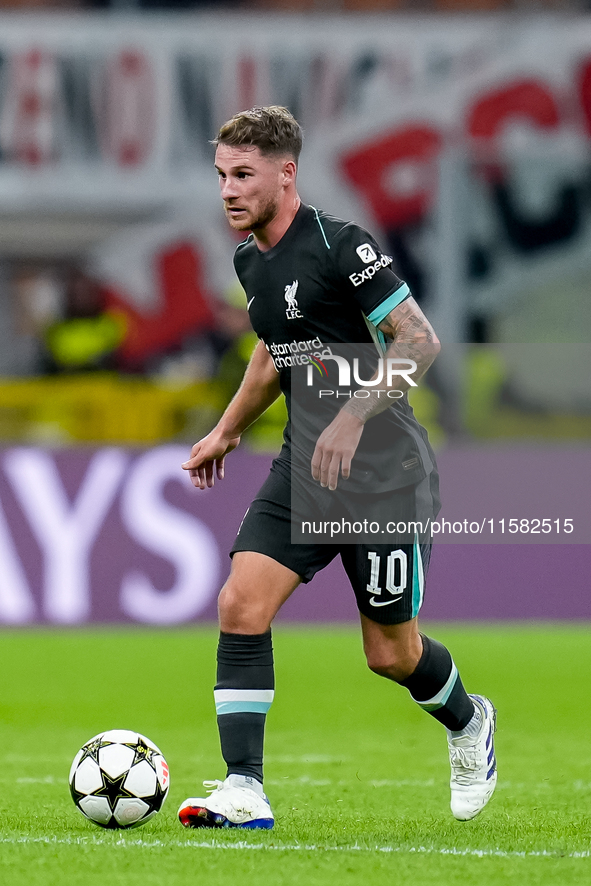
436 686
243 695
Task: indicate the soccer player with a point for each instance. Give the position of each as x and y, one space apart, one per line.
311 279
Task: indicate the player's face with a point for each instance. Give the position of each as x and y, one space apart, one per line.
251 185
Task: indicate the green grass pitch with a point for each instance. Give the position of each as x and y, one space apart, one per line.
357 774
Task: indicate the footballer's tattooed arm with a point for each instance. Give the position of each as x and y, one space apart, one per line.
412 338
407 325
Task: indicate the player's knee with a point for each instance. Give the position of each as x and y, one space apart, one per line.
239 613
392 663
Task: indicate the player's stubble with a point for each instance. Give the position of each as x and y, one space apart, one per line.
265 213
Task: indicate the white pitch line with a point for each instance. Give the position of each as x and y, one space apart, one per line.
305 758
309 781
323 782
295 847
46 779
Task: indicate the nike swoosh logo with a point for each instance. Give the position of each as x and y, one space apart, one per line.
374 602
248 304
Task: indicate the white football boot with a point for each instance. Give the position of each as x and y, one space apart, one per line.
473 765
228 806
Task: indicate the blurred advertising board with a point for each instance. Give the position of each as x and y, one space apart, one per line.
134 101
455 139
115 535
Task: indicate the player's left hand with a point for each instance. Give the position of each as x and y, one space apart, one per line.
335 449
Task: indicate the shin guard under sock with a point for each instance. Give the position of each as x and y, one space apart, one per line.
436 686
243 695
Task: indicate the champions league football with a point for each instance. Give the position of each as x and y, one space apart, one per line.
119 779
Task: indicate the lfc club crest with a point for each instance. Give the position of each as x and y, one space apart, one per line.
292 312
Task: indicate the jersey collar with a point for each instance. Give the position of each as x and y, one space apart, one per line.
298 219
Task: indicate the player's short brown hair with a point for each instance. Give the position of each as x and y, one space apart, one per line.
273 130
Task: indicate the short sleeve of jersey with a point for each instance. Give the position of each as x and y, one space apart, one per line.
365 272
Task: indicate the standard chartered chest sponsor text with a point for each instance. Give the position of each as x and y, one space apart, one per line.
297 353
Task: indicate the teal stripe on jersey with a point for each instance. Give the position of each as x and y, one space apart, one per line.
418 579
242 707
378 337
320 226
439 700
249 239
393 300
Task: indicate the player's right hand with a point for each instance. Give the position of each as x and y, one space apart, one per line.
207 458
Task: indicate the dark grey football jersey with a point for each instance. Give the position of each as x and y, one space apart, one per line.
327 283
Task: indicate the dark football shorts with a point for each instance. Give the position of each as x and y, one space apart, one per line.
387 575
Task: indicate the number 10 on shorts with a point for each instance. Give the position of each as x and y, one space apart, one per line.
394 587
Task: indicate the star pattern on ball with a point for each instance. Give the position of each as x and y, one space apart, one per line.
92 750
113 789
143 751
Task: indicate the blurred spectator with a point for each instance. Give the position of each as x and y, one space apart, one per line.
88 335
57 318
205 353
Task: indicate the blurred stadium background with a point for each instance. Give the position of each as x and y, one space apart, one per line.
459 131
